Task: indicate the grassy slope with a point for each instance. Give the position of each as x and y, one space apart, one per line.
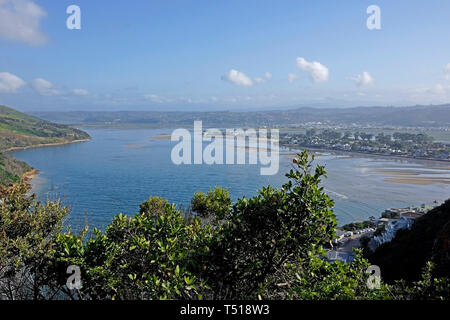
19 130
11 169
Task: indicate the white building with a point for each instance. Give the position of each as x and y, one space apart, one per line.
391 229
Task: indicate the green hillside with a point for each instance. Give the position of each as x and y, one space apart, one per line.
19 130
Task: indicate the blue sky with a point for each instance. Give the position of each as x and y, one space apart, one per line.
222 55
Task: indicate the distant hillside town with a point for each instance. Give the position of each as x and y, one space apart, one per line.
374 232
410 145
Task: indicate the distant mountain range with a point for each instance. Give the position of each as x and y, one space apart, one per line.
415 116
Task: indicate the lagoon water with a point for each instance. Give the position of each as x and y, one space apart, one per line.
120 168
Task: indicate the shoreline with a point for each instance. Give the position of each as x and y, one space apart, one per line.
30 175
392 175
33 173
43 145
356 153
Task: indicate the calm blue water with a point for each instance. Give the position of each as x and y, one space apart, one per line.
120 168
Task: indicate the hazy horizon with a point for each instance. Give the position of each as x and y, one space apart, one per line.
255 109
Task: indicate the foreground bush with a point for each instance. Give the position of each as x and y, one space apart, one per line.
27 247
265 247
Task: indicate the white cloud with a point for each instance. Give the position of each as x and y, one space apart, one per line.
267 77
238 78
292 77
447 71
259 80
9 83
154 98
187 100
80 92
317 71
20 20
437 93
363 79
438 89
44 87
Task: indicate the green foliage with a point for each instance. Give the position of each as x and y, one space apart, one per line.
379 230
427 288
154 207
13 121
264 232
215 205
419 138
357 226
330 135
27 230
148 256
7 178
11 170
318 279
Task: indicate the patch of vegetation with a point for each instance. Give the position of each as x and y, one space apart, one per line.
19 130
379 230
11 170
391 215
13 122
358 226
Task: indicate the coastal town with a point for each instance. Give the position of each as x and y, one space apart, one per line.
370 234
408 145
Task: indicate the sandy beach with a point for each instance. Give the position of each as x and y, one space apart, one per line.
133 146
30 175
419 181
417 176
162 137
43 145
